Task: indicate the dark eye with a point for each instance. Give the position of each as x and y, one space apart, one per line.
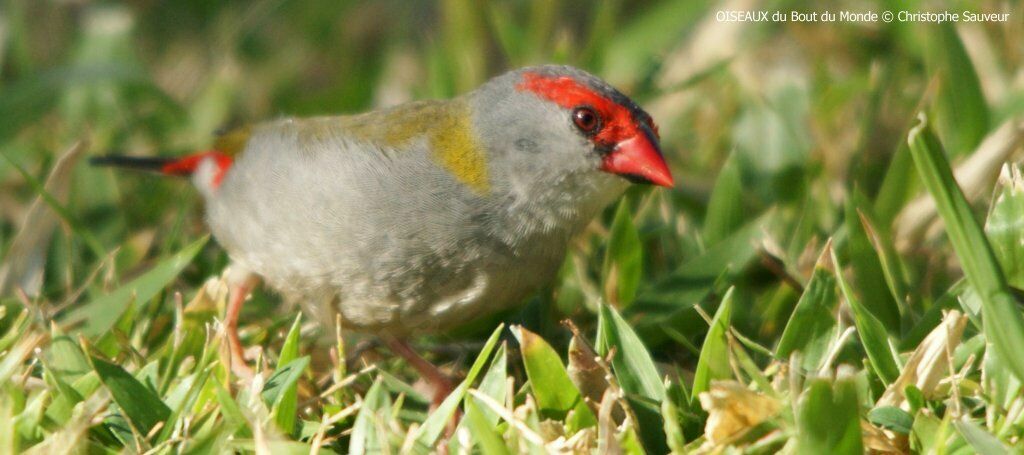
586 120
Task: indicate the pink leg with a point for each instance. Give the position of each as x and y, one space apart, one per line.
442 384
240 288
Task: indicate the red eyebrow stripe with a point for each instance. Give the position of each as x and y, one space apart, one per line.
618 122
563 90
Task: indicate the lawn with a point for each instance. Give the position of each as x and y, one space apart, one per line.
839 268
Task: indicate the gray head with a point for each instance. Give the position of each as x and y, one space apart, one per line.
553 124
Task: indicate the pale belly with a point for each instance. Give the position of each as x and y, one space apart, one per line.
417 295
382 275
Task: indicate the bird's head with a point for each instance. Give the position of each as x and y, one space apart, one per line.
559 119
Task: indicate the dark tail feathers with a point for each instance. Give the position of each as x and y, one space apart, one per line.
181 166
139 163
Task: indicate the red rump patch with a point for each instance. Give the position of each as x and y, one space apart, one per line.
187 165
617 120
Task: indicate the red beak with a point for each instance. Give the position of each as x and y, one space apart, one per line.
638 158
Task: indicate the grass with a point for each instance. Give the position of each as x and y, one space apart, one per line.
817 282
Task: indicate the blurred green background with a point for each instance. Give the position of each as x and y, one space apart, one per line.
778 134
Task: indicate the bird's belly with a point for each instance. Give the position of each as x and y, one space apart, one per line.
390 241
382 278
478 290
414 295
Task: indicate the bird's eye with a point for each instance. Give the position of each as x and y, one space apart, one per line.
586 119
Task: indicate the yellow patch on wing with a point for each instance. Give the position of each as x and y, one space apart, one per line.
454 146
447 127
232 142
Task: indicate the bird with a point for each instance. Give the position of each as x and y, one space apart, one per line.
414 219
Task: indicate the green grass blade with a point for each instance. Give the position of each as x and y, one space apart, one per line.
892 418
637 375
365 438
290 348
872 333
65 357
189 393
112 343
1005 225
9 440
725 207
556 395
714 355
1003 324
892 264
280 392
924 434
623 259
233 418
933 316
287 404
634 368
746 363
63 391
483 431
493 383
811 327
696 275
961 112
674 437
427 434
60 409
1005 230
140 404
979 439
867 266
829 418
898 186
100 314
16 330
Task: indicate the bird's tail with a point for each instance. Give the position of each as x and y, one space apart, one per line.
138 163
179 166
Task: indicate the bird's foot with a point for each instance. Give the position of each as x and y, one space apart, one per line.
239 358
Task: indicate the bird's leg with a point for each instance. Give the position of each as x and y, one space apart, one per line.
441 382
241 285
237 298
437 379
